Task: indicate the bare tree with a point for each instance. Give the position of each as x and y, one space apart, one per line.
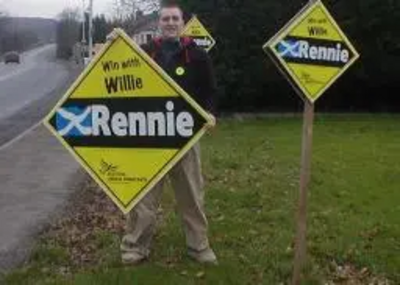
13 37
2 29
128 13
68 30
120 13
129 9
147 6
3 17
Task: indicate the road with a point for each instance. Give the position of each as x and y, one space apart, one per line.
28 89
35 171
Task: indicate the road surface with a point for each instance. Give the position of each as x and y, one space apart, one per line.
28 89
35 171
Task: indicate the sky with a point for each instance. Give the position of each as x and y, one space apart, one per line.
49 8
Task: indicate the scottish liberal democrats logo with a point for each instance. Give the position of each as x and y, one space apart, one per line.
74 121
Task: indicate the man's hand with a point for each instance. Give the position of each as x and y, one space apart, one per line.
211 125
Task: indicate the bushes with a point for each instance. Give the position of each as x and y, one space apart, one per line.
249 81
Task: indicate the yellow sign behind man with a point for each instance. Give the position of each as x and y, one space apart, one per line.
195 29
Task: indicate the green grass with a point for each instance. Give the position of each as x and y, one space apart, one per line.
252 174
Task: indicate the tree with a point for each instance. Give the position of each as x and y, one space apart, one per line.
129 8
127 13
100 29
3 18
13 38
249 81
68 30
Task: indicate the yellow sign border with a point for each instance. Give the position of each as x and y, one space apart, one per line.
168 166
296 20
185 29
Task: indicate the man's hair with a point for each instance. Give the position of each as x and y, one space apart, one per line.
170 4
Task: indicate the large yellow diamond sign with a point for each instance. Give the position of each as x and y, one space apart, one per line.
126 121
312 50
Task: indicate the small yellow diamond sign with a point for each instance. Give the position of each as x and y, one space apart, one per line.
195 29
126 121
312 50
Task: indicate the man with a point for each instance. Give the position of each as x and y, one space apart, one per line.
191 68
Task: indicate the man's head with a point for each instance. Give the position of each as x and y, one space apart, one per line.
171 21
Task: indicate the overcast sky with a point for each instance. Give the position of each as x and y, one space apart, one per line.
49 8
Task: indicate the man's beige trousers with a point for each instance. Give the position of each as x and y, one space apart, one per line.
187 181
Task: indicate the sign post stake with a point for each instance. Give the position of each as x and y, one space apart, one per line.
312 52
300 244
305 173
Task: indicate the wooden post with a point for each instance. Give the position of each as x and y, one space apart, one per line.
300 244
305 173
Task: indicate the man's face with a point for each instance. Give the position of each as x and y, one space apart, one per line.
171 22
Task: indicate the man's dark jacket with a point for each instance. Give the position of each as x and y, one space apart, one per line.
190 67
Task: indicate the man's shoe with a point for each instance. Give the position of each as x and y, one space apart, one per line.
206 256
132 258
